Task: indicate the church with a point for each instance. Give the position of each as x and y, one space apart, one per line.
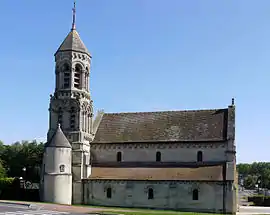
179 160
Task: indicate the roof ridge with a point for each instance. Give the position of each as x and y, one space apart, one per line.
165 111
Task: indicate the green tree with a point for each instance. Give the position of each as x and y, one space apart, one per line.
2 170
250 181
20 155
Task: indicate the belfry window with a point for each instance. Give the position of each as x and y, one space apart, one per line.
109 192
66 71
158 156
60 116
77 76
119 156
199 156
195 194
150 193
72 118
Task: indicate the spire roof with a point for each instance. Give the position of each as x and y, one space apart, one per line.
73 41
58 140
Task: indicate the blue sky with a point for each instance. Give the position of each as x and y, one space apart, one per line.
147 55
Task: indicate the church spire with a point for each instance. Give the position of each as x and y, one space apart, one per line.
74 16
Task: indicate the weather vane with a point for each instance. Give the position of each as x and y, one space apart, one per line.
74 16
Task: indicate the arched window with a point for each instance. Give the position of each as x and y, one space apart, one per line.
199 156
109 192
150 193
66 71
158 156
195 194
62 168
72 118
86 78
77 76
60 116
119 156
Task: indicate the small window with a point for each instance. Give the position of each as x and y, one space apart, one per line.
77 76
150 193
72 118
62 168
60 116
66 71
119 157
109 193
158 156
199 156
195 194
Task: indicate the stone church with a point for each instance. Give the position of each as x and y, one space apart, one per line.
181 160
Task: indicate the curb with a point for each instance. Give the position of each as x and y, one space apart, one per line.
15 203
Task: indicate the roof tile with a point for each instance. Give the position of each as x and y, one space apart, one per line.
198 125
213 173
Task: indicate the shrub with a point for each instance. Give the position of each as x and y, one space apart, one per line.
6 183
260 200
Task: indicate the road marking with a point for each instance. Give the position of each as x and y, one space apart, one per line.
34 212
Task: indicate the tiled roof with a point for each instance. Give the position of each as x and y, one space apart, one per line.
198 125
58 140
213 173
73 42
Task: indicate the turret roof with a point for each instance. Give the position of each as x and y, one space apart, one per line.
73 42
58 140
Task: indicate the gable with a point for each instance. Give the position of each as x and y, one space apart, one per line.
198 125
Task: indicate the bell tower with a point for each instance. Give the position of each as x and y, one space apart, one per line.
71 105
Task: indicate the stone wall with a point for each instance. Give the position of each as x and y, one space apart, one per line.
169 152
167 195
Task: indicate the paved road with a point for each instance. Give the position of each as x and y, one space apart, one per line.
6 209
248 210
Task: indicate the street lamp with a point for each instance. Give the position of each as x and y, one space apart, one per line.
24 172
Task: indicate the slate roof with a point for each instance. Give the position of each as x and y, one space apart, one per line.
73 42
213 173
58 140
191 125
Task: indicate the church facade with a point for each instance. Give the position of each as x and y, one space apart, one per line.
180 160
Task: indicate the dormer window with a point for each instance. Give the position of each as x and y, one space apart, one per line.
77 76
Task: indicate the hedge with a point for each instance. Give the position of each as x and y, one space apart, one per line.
260 200
6 183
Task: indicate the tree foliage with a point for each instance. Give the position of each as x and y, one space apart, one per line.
255 173
21 156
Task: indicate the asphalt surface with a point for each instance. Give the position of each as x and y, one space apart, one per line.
6 209
250 210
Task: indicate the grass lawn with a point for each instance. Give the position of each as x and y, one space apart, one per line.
134 211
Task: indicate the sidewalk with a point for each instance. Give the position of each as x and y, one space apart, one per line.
64 208
48 206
